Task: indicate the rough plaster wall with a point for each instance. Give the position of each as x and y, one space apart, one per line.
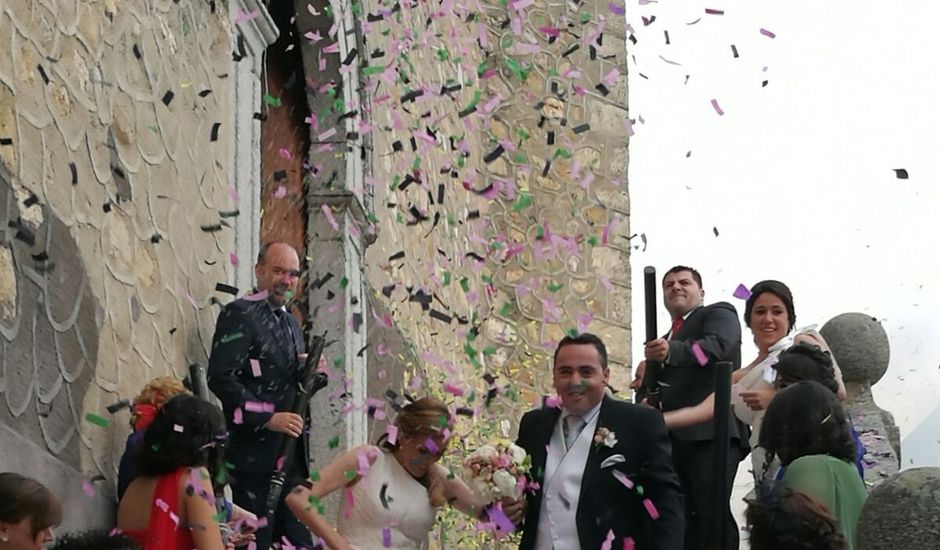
527 292
123 175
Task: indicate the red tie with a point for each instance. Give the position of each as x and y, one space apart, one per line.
676 325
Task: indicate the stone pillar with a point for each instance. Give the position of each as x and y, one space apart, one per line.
250 41
902 512
860 345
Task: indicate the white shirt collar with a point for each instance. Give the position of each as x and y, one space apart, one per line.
591 414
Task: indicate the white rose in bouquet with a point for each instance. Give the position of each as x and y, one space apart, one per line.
518 453
486 452
483 489
506 484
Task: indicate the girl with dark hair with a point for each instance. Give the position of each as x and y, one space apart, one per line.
807 429
785 520
403 468
28 512
171 506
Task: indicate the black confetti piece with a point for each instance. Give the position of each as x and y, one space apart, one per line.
901 173
580 129
551 137
383 496
42 73
280 175
6 141
106 206
350 56
377 53
440 316
168 97
468 111
348 114
417 215
229 214
548 165
172 331
156 238
412 95
204 93
228 289
464 411
474 255
602 89
764 84
388 289
74 169
397 256
473 214
115 407
260 116
137 53
571 49
440 193
23 232
451 89
667 37
648 21
374 17
397 147
356 322
734 51
317 284
214 135
362 350
494 154
422 298
31 200
41 257
211 228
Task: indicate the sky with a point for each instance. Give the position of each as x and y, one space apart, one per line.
798 177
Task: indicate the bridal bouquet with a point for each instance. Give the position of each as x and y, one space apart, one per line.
498 470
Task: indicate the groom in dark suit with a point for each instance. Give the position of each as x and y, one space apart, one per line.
603 467
255 369
712 333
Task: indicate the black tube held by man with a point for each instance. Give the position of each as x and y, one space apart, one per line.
650 388
720 450
310 384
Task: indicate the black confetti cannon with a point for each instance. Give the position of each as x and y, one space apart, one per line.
311 383
650 389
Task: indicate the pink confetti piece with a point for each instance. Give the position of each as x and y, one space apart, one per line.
279 465
233 258
259 406
699 354
767 33
392 432
615 9
237 416
255 367
256 297
191 300
742 292
364 464
88 488
622 478
650 508
244 17
553 401
453 390
386 537
501 519
175 519
280 192
285 154
332 48
629 544
161 504
328 212
415 383
233 194
608 540
717 107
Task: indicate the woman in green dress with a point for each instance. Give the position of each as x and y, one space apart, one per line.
807 429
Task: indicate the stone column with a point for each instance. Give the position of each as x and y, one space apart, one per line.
860 345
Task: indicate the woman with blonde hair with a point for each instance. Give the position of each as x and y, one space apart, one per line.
391 491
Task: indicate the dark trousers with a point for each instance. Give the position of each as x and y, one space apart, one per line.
250 491
693 462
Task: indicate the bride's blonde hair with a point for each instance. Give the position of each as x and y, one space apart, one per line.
425 417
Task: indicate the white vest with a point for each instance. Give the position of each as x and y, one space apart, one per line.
561 489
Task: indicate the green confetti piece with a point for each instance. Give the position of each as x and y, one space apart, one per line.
486 279
489 350
451 220
338 362
470 351
350 474
272 101
334 442
592 240
288 294
314 475
443 54
555 287
446 278
524 201
370 70
97 420
639 490
344 282
562 153
465 284
231 337
572 332
523 134
506 309
540 233
357 9
585 17
372 217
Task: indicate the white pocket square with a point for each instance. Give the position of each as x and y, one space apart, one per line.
611 460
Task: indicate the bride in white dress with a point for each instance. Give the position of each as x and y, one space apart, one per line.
391 492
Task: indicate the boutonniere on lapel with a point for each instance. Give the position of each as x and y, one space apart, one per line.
605 437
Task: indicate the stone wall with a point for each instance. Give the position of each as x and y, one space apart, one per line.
115 149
